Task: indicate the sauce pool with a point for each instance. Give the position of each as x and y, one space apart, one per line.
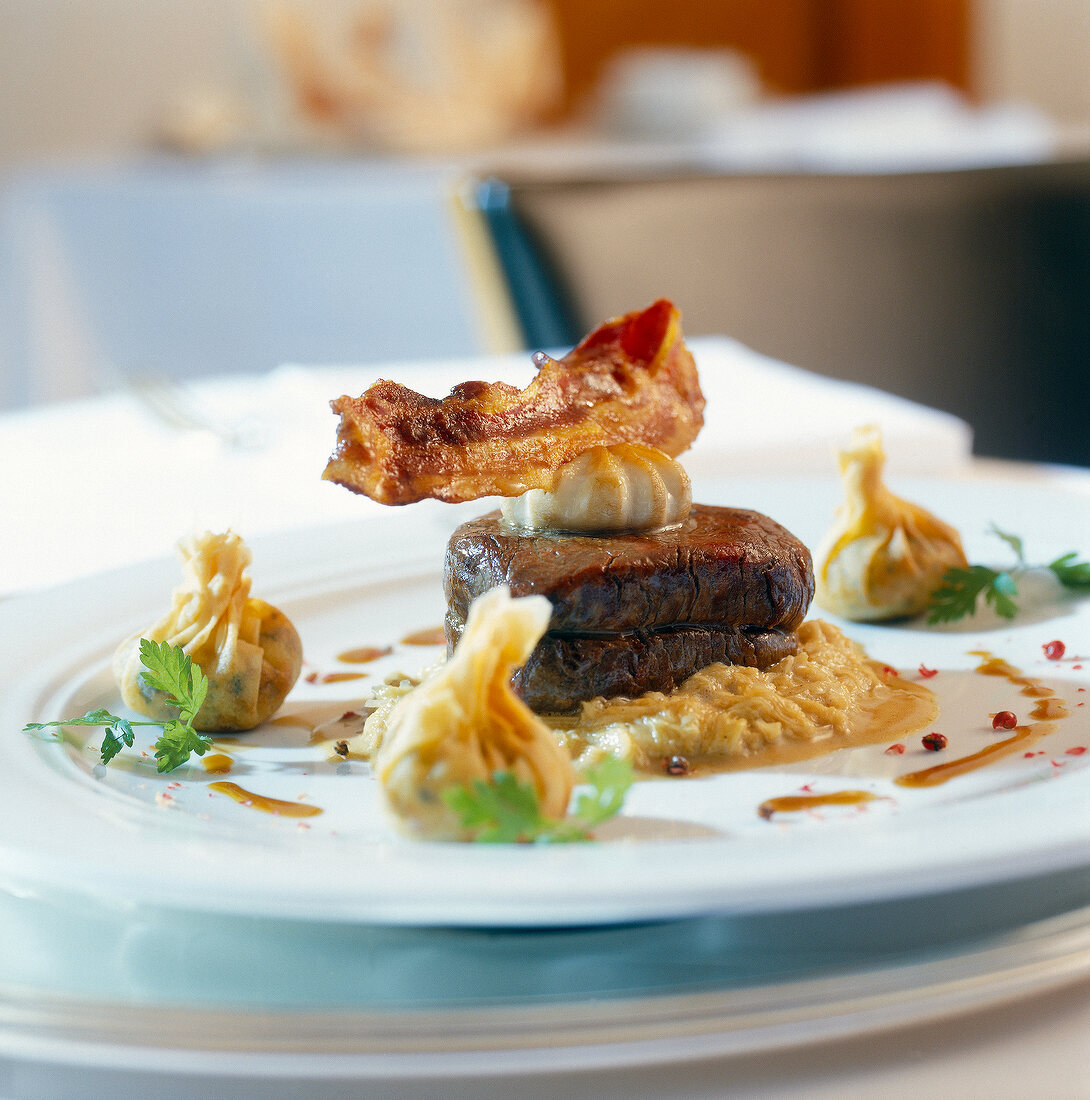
1048 710
432 636
291 720
996 666
793 803
361 655
333 677
261 802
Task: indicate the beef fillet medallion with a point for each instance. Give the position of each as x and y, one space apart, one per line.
638 612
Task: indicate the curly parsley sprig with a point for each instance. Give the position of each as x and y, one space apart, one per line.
506 811
167 668
961 589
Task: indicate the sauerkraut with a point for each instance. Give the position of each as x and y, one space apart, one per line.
828 696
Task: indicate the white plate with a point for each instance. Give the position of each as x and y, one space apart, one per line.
684 847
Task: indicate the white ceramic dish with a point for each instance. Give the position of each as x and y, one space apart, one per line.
684 847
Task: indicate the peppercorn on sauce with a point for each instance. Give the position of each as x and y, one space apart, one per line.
1046 712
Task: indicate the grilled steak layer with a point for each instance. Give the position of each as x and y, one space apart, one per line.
724 567
638 612
564 671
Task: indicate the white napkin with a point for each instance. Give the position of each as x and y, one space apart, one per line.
100 483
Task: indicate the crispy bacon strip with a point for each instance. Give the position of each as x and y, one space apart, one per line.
630 381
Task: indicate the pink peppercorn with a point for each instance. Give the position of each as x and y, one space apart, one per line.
1054 650
934 742
1004 720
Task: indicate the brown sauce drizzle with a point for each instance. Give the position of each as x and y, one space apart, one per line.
996 666
363 654
263 802
291 720
311 717
1047 711
218 763
349 724
940 773
333 677
792 803
1050 709
434 635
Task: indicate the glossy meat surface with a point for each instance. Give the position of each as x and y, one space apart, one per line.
725 567
564 671
638 612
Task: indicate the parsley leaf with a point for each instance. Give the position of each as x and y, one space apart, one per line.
609 781
100 717
1013 541
506 811
167 668
1001 595
118 733
503 811
1071 573
960 590
177 742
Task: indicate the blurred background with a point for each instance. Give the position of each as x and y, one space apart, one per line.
113 77
888 191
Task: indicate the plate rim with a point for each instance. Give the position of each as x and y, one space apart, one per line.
1065 847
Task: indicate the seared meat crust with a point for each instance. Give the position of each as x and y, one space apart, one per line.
565 670
642 611
725 567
